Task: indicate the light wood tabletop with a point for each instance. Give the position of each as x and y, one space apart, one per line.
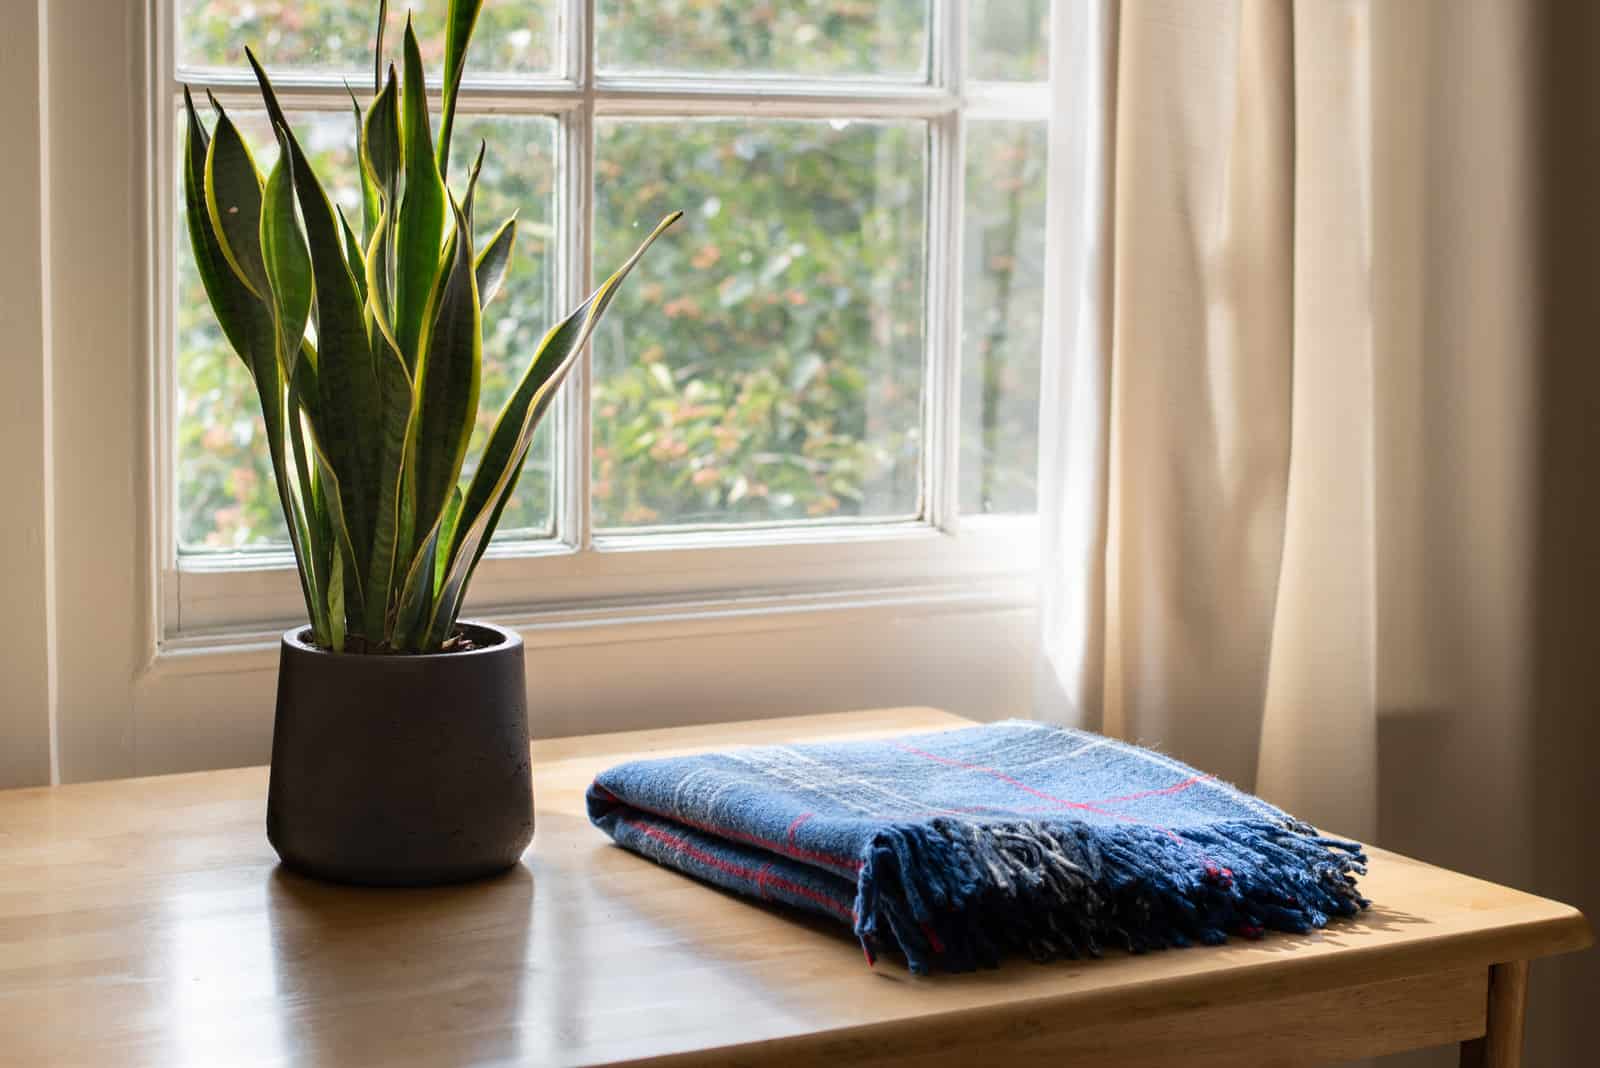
145 921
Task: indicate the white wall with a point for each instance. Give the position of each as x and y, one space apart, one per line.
1489 490
24 524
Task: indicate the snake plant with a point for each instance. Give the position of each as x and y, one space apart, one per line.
366 353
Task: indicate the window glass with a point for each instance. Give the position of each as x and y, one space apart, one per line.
336 36
1008 40
770 368
1002 309
815 38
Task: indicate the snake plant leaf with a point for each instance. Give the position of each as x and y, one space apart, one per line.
508 444
495 261
459 23
347 397
447 534
472 191
336 608
341 550
302 503
248 326
422 210
377 44
381 162
286 262
380 139
241 314
233 202
416 592
397 401
304 506
370 207
380 294
348 385
447 379
354 257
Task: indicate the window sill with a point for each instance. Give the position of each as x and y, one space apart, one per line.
624 579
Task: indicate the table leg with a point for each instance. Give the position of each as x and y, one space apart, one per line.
1501 1044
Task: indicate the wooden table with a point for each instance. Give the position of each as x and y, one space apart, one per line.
146 922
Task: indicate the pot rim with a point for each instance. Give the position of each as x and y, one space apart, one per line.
509 639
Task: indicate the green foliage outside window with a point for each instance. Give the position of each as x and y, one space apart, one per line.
778 376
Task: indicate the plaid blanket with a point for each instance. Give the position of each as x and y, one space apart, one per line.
959 847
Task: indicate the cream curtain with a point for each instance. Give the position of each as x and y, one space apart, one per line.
1212 566
1319 461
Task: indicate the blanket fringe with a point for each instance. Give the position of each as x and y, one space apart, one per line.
961 894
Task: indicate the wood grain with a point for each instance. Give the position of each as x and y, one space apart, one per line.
1501 1044
145 922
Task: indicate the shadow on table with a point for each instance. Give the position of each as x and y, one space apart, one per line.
703 932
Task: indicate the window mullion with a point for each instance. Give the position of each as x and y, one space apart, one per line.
942 418
576 210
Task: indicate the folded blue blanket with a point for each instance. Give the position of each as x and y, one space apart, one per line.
963 846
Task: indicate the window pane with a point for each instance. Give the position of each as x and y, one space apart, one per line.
1009 40
336 36
766 363
886 38
1002 309
518 175
225 492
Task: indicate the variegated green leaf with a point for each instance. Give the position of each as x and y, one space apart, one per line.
233 202
472 186
370 201
242 315
348 397
422 211
397 404
286 261
380 303
336 620
354 256
495 261
303 500
416 592
248 325
381 163
501 465
341 551
447 379
459 22
447 533
377 44
380 139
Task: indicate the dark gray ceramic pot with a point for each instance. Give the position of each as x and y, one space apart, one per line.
401 770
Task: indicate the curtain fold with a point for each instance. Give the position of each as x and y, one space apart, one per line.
1209 512
1183 566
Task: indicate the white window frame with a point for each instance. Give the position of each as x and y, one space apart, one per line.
699 627
221 599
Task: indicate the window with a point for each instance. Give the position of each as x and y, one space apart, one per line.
825 378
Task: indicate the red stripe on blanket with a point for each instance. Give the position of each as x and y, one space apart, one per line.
761 879
742 836
1082 806
1175 788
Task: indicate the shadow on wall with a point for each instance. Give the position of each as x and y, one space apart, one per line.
1489 668
1566 581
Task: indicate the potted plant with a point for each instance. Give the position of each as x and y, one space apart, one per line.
400 745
